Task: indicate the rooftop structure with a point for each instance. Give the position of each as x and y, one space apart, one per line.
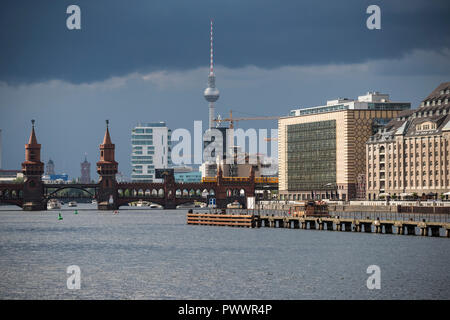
371 101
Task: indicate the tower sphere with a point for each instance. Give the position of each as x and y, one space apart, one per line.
211 94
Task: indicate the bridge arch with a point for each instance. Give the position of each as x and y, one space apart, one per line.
47 196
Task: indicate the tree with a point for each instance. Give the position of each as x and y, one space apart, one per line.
18 180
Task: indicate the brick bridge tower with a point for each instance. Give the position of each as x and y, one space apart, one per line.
33 168
107 169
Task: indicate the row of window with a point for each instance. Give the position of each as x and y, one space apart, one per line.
142 136
142 130
411 184
430 154
141 176
435 102
411 173
434 144
424 164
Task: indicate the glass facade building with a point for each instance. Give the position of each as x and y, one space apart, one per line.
311 155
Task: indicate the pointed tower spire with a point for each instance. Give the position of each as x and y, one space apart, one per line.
32 140
211 65
32 148
107 138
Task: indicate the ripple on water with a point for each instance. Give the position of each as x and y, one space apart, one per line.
155 255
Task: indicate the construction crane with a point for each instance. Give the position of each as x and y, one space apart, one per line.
231 120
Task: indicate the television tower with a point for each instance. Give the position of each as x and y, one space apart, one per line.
211 93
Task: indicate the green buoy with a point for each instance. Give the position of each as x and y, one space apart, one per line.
76 212
59 216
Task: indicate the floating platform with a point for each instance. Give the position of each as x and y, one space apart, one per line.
226 220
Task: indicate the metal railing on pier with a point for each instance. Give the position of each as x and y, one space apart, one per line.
427 217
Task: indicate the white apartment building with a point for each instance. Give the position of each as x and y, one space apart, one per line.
151 148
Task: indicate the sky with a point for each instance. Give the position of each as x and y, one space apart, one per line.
147 61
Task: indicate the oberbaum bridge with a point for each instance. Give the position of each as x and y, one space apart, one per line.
33 194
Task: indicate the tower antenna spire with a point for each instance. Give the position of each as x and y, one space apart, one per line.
211 67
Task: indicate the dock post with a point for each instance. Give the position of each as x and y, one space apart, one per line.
423 229
320 223
271 223
302 224
399 228
287 223
357 226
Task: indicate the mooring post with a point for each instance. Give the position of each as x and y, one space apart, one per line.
399 227
303 224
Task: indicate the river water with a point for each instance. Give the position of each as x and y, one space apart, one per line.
154 254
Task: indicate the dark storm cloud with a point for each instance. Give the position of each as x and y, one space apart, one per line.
120 37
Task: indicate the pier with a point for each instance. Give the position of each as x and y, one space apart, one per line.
251 219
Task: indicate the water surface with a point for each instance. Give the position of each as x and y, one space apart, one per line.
153 254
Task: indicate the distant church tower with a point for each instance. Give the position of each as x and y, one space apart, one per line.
32 169
85 171
50 168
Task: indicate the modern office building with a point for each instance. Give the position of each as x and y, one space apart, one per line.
321 150
187 175
50 168
85 171
410 155
151 148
